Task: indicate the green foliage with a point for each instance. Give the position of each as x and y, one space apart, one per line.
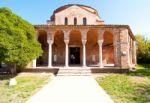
143 51
142 70
18 42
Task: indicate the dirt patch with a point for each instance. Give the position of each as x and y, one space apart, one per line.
139 79
95 75
35 74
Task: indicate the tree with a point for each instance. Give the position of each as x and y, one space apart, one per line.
18 44
143 51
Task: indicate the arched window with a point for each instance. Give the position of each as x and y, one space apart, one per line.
84 21
75 21
66 21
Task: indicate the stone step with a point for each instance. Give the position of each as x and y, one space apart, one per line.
74 72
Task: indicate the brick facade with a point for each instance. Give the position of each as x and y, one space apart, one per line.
100 44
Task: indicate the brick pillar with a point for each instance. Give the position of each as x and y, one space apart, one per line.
129 51
116 48
134 52
124 49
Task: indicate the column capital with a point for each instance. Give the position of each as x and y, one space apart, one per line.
84 31
100 41
50 35
50 41
66 33
100 33
84 41
66 41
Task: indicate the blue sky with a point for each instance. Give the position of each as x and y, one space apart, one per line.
135 13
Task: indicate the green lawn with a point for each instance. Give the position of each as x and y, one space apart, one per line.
133 87
27 85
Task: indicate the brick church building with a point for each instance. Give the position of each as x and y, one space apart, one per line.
76 36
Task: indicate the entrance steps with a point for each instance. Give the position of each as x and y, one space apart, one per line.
74 72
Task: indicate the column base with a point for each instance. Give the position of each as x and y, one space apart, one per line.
50 67
66 66
84 66
101 66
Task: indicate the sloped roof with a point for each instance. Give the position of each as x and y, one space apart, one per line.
69 5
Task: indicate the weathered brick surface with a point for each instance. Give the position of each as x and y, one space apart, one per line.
124 48
116 53
117 41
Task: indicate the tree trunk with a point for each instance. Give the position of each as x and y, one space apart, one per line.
12 68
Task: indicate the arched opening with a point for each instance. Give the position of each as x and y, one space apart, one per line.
92 48
84 21
75 48
66 21
43 59
75 21
108 49
58 49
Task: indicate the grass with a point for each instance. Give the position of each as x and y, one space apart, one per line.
133 87
142 70
26 86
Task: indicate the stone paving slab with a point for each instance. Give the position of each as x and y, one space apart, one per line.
71 89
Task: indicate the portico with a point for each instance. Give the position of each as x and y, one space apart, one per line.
68 39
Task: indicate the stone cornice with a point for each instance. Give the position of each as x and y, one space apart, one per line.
43 26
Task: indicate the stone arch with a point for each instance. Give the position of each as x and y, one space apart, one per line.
58 49
75 47
92 48
75 37
42 38
108 48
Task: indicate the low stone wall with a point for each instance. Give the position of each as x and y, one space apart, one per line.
40 70
93 70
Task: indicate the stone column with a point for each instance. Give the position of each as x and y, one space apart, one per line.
84 52
34 60
100 43
34 63
66 55
50 42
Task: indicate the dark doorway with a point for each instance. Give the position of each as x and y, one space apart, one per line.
74 55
